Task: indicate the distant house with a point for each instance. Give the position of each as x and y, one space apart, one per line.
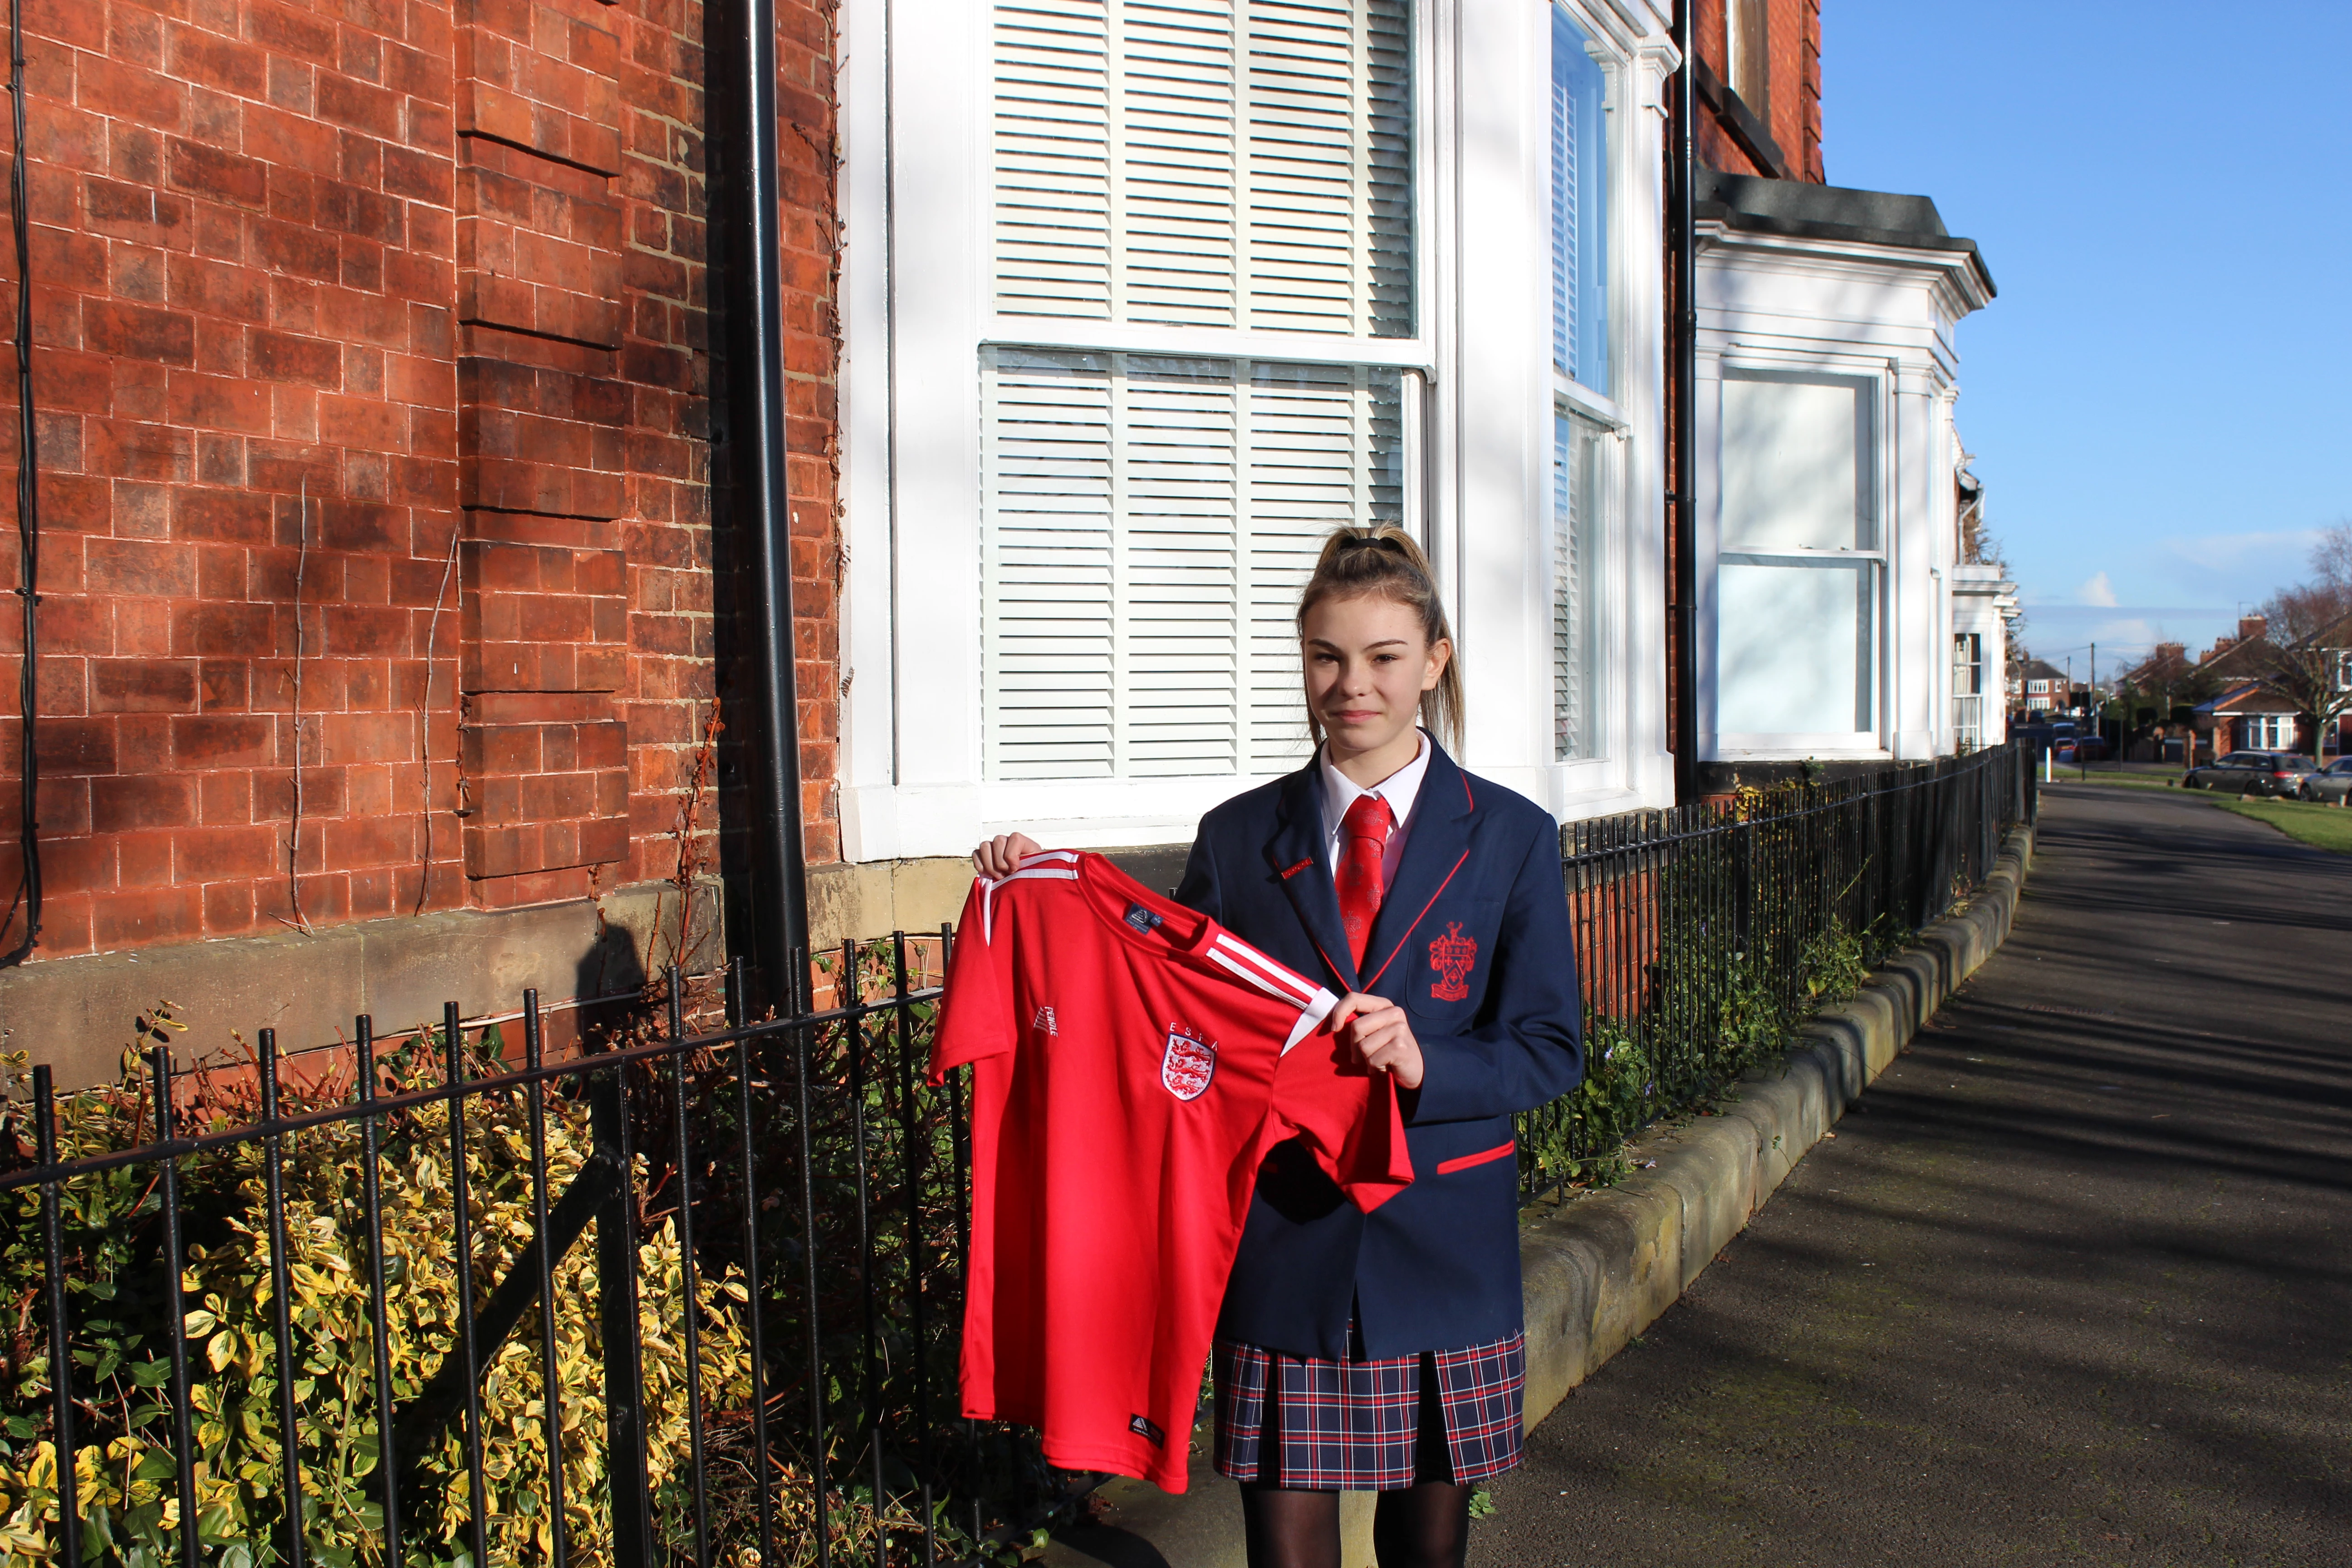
1984 607
2037 686
2249 714
2249 717
2239 657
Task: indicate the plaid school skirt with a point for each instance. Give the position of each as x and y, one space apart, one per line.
1369 1426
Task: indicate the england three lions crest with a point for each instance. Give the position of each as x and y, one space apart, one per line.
1452 955
1188 1065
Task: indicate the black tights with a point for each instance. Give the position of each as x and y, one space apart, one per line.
1425 1525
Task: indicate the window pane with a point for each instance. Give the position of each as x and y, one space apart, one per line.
1794 649
1576 513
1580 182
1147 524
1205 163
1795 469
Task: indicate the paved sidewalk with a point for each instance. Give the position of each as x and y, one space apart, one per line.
2073 1285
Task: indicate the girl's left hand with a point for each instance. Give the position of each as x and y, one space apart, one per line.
1376 1027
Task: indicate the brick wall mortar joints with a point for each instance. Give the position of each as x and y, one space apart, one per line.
218 547
820 700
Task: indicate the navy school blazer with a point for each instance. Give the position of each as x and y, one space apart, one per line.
1473 939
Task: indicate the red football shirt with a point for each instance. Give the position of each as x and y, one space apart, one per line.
1133 1062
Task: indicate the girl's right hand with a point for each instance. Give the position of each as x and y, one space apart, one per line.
1002 855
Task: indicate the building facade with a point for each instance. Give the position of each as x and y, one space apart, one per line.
372 372
388 562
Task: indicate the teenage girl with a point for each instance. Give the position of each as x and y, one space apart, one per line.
1385 1352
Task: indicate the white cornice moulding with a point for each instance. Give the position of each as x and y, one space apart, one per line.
1953 268
1646 24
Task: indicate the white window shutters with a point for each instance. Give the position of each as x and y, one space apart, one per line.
1237 163
1148 518
1147 522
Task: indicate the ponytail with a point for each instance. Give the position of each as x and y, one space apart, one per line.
1383 563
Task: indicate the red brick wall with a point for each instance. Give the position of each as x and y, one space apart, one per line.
372 360
1793 110
807 142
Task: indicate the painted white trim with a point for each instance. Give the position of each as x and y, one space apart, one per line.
1205 343
1588 403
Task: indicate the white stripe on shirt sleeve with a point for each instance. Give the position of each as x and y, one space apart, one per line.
1299 987
988 889
1317 1008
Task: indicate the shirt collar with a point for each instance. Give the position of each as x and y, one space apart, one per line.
1339 791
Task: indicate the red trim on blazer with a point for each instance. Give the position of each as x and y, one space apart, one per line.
1384 969
1290 871
1483 1157
1338 973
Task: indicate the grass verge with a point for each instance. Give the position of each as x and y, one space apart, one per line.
2323 826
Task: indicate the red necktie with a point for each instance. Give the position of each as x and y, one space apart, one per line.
1364 832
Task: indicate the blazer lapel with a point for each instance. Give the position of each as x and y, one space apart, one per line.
1432 855
1297 855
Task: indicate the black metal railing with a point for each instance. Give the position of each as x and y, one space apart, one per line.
1706 935
723 1269
669 1296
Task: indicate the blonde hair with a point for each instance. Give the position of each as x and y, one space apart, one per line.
1383 563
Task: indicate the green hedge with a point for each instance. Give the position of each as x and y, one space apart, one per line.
123 1462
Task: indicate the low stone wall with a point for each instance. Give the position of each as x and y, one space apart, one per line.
76 1014
1601 1268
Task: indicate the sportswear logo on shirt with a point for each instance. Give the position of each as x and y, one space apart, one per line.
1452 955
1144 1426
1188 1065
1141 918
1044 1023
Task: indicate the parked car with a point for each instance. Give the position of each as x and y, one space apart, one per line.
2251 772
2332 784
2044 737
2082 749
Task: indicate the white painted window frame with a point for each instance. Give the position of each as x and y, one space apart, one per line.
1713 550
1503 344
917 308
1871 391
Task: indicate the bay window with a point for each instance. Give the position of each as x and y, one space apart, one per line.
1142 299
1581 331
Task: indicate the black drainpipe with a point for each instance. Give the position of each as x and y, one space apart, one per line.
1682 356
749 442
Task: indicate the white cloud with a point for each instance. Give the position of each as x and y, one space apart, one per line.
2097 591
2223 551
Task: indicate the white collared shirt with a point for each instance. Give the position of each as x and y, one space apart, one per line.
1400 789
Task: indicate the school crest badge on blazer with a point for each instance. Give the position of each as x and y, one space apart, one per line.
1187 1066
1452 955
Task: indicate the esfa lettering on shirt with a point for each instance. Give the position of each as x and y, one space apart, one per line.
1132 1063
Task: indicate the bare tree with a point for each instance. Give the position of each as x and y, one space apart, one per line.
2331 558
2310 637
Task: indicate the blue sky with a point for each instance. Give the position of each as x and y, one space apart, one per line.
2158 401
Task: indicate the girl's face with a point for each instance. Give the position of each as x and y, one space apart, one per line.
1367 666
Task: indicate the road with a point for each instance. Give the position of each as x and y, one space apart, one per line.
2073 1284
